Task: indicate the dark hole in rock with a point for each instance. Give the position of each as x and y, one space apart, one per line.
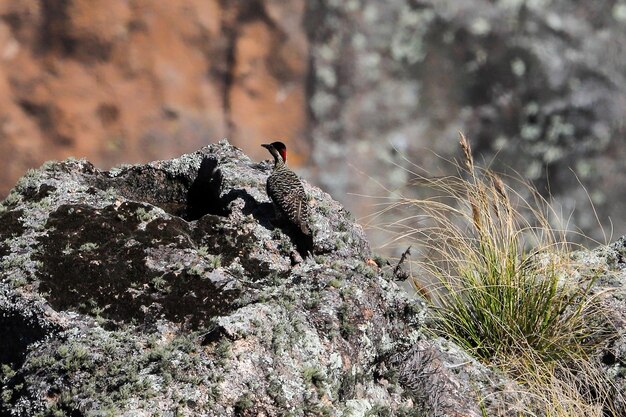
37 194
10 226
16 334
175 194
204 194
608 358
213 335
95 261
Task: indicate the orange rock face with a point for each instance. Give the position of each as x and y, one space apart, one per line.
135 80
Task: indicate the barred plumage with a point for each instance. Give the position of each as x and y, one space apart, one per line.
286 191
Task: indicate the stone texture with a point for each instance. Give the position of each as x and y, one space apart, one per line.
132 81
358 85
608 265
537 87
166 288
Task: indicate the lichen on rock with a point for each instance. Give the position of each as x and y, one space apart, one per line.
169 288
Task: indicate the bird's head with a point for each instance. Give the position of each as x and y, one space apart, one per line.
277 149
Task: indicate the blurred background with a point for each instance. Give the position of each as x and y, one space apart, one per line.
358 89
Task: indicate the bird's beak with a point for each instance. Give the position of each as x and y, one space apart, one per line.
266 145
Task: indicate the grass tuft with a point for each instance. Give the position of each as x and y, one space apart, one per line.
501 283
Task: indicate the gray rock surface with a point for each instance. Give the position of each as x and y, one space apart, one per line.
168 289
540 84
608 266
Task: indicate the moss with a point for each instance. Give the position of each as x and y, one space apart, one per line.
284 245
74 356
7 372
380 411
93 308
347 388
159 283
335 283
410 412
41 361
279 339
214 394
215 261
313 301
197 270
346 327
18 282
336 265
288 301
88 247
223 351
324 210
145 215
16 261
6 395
317 410
112 368
276 392
380 260
320 259
12 200
364 269
315 377
347 292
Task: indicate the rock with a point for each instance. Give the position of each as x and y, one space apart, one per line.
607 265
120 81
538 87
165 288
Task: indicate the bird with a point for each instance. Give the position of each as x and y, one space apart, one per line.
286 190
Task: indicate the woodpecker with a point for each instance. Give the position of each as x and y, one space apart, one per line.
286 191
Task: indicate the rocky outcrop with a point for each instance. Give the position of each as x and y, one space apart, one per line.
608 265
168 288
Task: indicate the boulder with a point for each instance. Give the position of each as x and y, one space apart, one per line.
170 289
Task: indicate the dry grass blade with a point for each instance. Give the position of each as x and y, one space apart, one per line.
498 273
467 153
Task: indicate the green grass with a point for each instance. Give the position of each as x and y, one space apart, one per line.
503 285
